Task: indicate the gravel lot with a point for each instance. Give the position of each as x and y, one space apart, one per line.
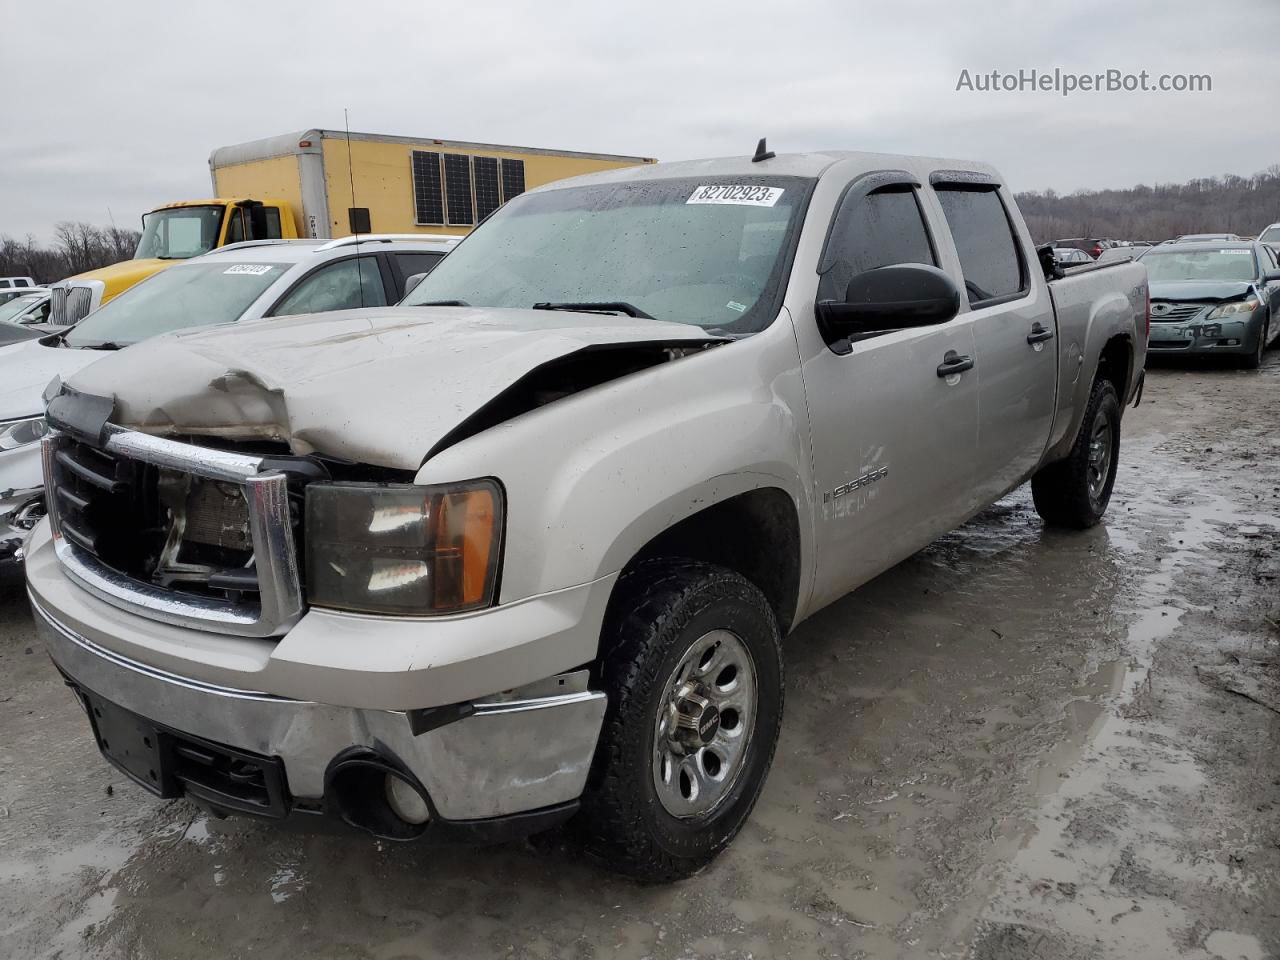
1017 744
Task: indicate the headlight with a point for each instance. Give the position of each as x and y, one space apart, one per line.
18 433
401 548
1233 309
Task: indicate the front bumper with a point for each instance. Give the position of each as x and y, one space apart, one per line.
1198 336
497 757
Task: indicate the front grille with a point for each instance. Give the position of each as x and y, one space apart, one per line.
1177 312
179 532
68 305
183 532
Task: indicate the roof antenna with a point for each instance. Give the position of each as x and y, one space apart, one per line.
762 152
351 214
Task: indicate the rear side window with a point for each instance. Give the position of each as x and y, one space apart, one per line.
985 242
271 223
345 285
412 264
876 230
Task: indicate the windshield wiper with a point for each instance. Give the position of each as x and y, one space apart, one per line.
603 306
104 345
441 303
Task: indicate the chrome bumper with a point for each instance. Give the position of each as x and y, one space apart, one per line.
514 753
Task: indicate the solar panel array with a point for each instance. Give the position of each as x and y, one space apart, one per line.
461 190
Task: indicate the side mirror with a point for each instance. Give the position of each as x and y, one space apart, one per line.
890 298
412 282
1271 276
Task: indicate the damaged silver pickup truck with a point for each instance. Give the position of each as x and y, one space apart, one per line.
524 549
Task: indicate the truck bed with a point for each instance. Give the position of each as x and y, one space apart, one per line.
1085 297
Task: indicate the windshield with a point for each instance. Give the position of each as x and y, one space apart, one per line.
190 295
15 306
179 232
706 251
1271 235
1210 265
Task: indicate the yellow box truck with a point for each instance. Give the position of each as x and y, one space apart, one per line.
301 185
401 184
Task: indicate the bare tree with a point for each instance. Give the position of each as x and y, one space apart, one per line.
77 247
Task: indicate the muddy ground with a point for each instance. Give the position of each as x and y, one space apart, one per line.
1018 744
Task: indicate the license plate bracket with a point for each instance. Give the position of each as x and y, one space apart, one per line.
132 745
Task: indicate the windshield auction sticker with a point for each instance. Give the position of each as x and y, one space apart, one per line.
742 194
253 269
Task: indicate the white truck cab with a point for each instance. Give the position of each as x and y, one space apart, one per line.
526 547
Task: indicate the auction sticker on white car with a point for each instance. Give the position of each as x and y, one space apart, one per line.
740 193
253 269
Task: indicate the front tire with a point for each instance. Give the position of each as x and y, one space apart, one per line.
1075 492
1253 360
691 660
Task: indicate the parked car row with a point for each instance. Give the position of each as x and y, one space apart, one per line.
523 549
1211 293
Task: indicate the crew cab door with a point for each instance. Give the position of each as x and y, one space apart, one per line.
893 435
1013 323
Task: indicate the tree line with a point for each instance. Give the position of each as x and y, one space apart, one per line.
1227 204
77 247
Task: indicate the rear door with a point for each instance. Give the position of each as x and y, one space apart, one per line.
894 437
1017 360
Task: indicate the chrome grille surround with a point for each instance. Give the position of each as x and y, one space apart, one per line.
280 600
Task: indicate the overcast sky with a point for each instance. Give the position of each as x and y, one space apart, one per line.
115 107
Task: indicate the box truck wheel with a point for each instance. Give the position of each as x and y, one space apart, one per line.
692 664
1075 492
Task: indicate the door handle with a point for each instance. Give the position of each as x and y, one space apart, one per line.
1039 334
953 362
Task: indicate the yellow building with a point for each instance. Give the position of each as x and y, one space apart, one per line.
406 184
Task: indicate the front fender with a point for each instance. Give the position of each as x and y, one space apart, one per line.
591 478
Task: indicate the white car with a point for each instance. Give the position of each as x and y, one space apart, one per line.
246 281
1271 237
27 306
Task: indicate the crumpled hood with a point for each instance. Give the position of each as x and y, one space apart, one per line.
376 386
26 369
1207 290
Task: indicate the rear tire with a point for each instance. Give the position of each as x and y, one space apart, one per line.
1075 492
667 792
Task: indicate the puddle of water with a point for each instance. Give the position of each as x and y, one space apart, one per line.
1234 946
1113 871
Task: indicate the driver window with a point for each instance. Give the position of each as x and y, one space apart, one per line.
40 314
345 285
235 226
880 229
